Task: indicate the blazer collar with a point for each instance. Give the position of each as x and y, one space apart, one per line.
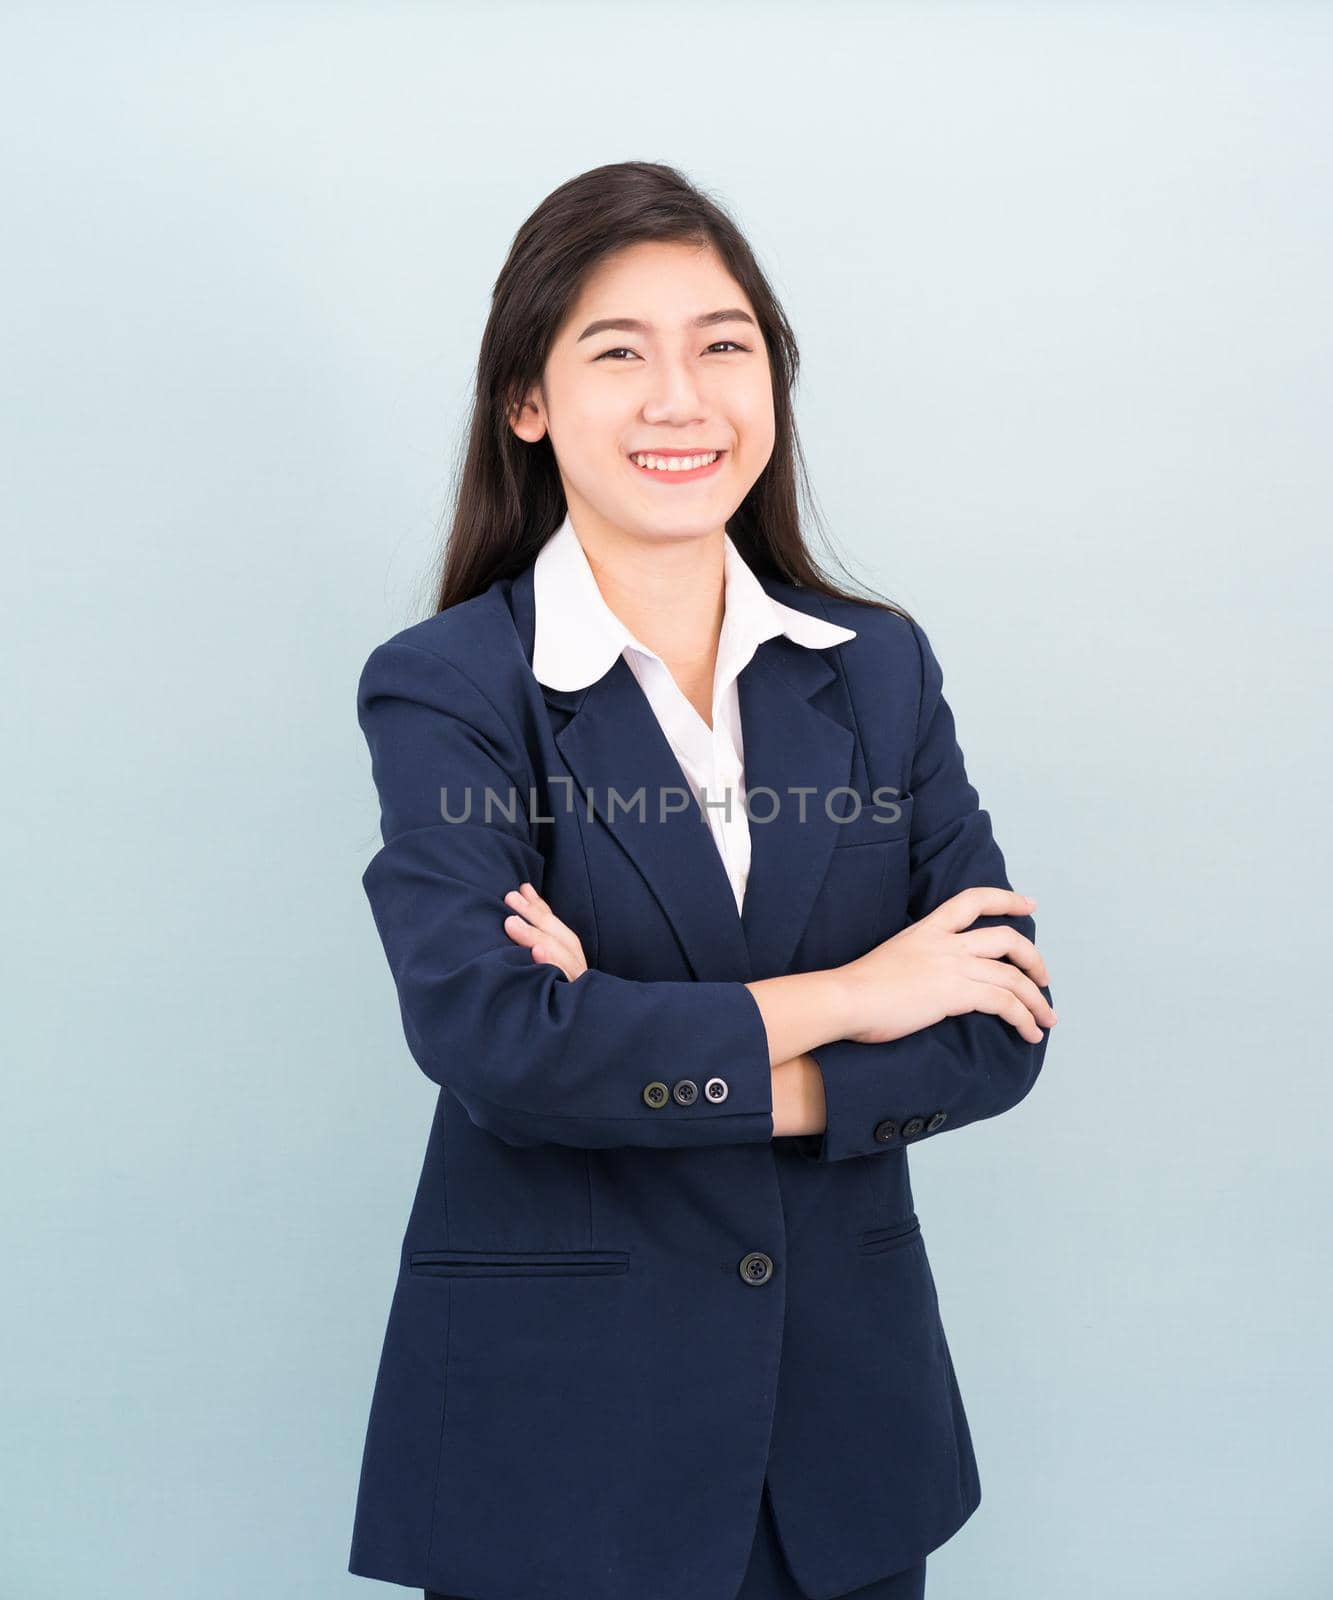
610 740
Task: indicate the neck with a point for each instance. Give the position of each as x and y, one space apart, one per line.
669 591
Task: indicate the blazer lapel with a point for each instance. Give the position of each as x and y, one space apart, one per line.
790 745
612 741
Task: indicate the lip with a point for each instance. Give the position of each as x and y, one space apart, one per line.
654 476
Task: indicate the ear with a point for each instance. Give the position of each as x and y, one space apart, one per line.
528 416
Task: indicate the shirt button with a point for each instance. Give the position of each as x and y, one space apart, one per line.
756 1268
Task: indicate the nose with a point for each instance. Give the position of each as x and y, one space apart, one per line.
675 397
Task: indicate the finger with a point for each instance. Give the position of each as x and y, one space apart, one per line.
959 911
530 894
544 957
548 958
521 931
530 904
561 944
524 932
1003 1003
1007 942
1003 974
544 950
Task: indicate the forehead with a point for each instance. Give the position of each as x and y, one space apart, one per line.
658 280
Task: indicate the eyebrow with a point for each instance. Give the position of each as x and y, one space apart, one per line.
633 325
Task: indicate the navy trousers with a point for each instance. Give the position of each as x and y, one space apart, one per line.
768 1577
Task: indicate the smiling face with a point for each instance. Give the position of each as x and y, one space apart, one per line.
661 356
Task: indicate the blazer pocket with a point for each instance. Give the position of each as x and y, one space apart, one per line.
517 1263
876 1240
873 826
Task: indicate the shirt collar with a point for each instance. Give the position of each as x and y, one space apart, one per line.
577 638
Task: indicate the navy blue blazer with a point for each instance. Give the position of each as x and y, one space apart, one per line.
617 1308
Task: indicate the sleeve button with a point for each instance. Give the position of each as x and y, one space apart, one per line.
655 1094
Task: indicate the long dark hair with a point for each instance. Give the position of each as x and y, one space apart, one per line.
509 498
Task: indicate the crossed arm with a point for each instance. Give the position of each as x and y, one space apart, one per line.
934 969
942 1022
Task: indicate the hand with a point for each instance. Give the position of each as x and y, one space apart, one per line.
933 969
535 925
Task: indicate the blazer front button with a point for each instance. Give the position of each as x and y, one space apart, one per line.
756 1267
937 1121
655 1094
716 1090
884 1131
912 1127
686 1091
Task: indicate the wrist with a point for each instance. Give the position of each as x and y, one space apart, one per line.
841 1002
798 1097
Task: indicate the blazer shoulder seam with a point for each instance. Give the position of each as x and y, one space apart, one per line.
453 666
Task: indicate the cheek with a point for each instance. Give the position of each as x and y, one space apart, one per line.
752 415
581 433
586 418
587 449
754 453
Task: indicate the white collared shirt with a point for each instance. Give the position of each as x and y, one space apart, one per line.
578 638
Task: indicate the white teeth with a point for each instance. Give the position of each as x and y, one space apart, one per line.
674 463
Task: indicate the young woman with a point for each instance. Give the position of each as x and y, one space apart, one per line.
697 923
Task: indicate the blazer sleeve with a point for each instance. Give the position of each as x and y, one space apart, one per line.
960 1069
533 1057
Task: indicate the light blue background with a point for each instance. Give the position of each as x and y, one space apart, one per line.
1061 280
